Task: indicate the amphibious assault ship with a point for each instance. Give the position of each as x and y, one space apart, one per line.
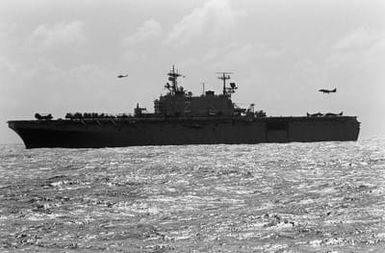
180 118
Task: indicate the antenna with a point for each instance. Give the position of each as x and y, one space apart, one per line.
172 77
224 76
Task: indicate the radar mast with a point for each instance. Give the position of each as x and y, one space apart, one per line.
173 78
224 76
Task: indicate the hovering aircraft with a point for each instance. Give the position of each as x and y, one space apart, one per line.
325 91
121 76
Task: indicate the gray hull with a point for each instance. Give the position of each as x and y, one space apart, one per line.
93 133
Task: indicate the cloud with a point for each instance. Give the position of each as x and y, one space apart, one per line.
50 36
6 66
358 48
357 39
235 55
214 19
148 29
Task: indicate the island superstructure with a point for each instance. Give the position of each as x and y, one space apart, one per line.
179 118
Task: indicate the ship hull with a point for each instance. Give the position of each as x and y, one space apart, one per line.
98 133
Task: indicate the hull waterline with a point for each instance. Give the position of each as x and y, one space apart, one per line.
139 132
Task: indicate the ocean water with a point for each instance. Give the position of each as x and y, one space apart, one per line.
297 197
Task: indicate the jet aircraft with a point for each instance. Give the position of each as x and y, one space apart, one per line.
325 91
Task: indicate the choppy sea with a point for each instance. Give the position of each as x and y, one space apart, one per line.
297 197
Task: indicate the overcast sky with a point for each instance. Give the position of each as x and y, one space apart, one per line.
64 56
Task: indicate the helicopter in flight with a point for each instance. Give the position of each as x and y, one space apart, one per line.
122 76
